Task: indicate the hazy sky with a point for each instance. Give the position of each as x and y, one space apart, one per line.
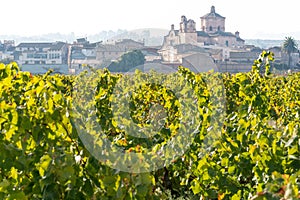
252 18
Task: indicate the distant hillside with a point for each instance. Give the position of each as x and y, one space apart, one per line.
264 44
151 36
70 38
51 37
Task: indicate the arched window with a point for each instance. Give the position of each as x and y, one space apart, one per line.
226 43
210 28
219 28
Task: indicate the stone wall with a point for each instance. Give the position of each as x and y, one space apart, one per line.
212 25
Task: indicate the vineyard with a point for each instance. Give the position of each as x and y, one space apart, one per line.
100 135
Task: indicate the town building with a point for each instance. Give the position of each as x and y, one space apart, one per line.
211 43
106 53
212 32
209 47
7 48
99 54
41 53
82 52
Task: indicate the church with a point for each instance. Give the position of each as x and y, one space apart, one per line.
212 33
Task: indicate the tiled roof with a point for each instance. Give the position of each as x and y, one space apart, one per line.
209 15
91 45
183 48
77 54
111 48
82 40
35 45
202 33
222 33
52 46
125 41
244 55
57 45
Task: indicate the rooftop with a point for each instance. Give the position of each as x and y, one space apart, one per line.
57 45
34 45
51 46
212 14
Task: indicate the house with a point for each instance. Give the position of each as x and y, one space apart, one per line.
174 54
98 54
151 54
82 52
106 53
243 56
41 53
7 49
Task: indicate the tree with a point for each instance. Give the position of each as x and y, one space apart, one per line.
289 46
127 61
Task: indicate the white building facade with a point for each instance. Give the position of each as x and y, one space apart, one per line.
42 53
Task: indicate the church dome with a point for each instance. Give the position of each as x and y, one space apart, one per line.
212 14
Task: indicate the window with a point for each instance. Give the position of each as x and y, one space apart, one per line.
54 56
219 28
210 28
30 55
226 43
